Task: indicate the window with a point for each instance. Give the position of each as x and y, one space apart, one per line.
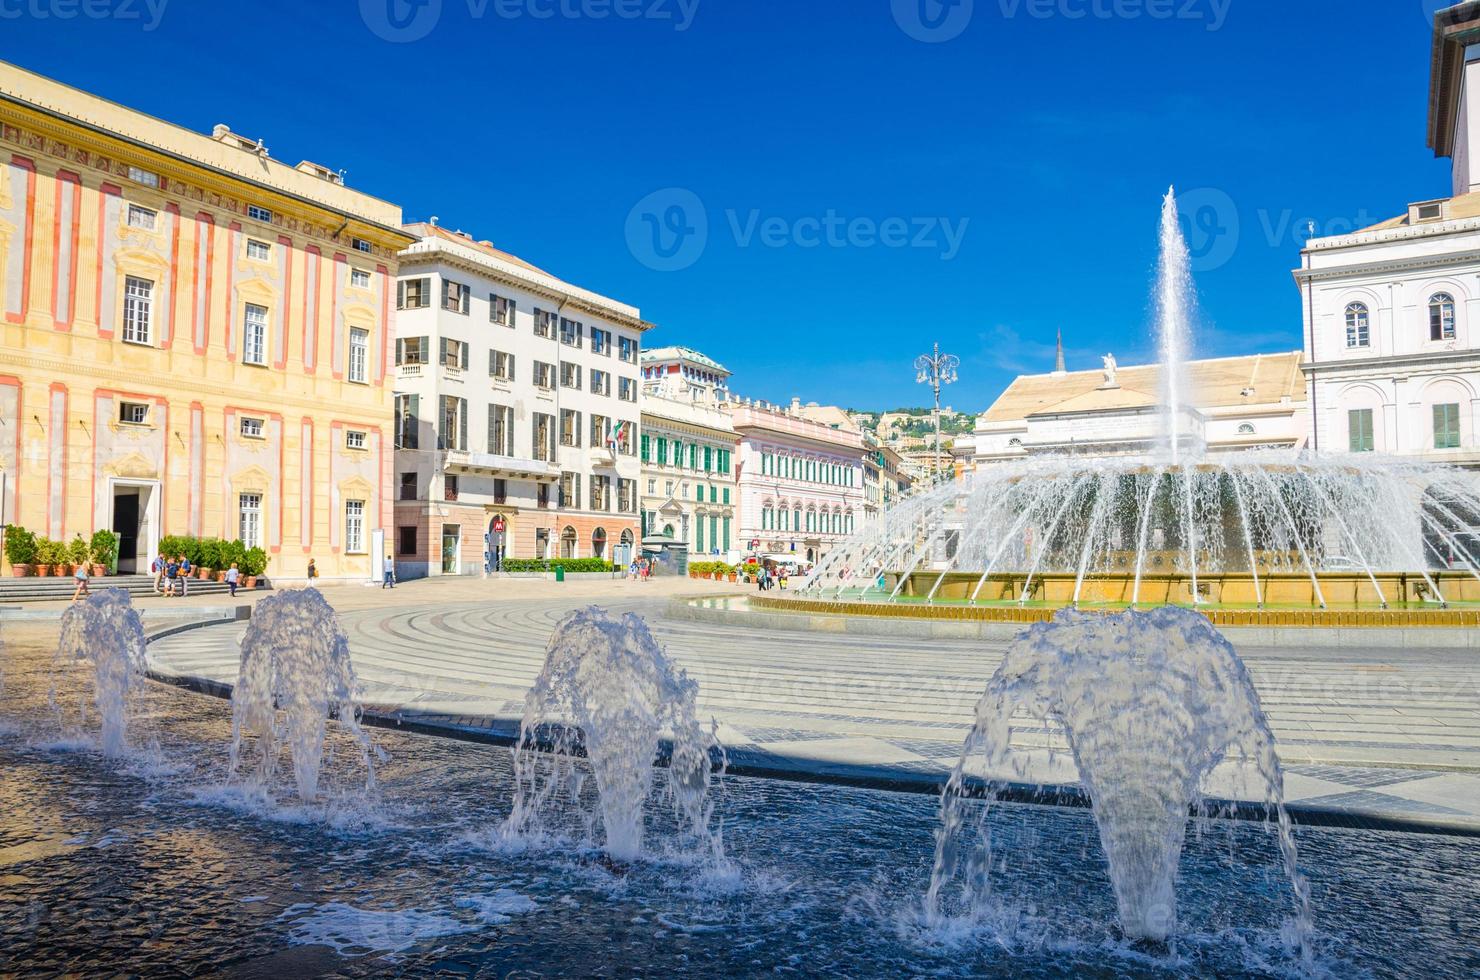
251 428
406 540
455 296
500 491
1446 426
254 335
626 496
134 413
408 487
412 350
571 332
568 543
570 427
501 310
359 278
354 527
627 389
601 382
249 519
138 300
601 341
543 445
1246 429
627 349
601 493
140 217
260 251
449 487
359 355
544 375
140 176
598 431
623 434
542 499
453 431
500 365
570 489
454 354
258 213
359 244
354 439
652 487
500 430
408 432
1441 317
1359 430
1357 332
414 294
544 323
570 375
1432 211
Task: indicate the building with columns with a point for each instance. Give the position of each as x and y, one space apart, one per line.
689 488
516 412
1392 312
801 482
196 337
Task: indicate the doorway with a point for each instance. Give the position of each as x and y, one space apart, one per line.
451 545
133 519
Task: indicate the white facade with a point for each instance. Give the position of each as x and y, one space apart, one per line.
689 488
1392 312
517 412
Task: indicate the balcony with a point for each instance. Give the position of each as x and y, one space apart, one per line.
411 370
460 461
602 456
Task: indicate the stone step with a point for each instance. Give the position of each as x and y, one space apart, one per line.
34 589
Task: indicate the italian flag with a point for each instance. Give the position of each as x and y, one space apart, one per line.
618 432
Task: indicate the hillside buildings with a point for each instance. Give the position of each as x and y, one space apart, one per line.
196 337
1392 312
516 412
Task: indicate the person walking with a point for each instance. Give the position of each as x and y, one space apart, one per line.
185 570
156 568
233 576
171 573
313 571
80 575
390 573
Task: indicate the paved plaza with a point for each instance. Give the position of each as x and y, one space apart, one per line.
1391 736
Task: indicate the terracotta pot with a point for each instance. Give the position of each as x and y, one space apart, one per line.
250 582
20 571
220 576
43 571
203 574
98 571
734 577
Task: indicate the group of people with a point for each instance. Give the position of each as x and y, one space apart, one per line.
771 576
640 569
172 575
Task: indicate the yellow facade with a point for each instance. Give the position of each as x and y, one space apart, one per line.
195 337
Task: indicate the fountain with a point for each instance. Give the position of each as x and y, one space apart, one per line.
1149 702
1174 523
295 674
103 630
608 692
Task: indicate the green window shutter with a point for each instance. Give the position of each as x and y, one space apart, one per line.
708 459
727 496
699 533
726 545
645 448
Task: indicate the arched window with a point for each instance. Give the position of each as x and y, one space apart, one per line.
598 543
1357 331
1441 317
568 543
667 530
1247 429
1015 443
626 538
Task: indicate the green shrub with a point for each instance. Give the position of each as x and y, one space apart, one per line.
210 553
104 548
234 552
20 545
49 552
78 552
255 563
571 565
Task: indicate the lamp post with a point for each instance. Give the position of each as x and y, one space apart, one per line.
936 369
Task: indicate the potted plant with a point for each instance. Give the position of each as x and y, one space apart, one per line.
78 554
233 553
104 548
20 550
208 551
48 557
256 564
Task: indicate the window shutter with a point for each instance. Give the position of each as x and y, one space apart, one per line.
462 423
465 357
400 350
400 298
511 367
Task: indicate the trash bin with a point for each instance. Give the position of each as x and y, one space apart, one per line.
560 573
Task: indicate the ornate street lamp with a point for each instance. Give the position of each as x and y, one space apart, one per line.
936 369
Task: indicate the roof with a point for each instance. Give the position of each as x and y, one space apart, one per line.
831 416
674 352
1455 209
425 229
1215 383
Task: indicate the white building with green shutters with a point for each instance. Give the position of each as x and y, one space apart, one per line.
687 454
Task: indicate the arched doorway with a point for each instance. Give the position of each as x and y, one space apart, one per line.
500 533
667 530
569 543
598 543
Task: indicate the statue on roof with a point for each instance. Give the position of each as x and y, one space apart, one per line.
1110 368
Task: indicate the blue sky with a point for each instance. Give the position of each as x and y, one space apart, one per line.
983 189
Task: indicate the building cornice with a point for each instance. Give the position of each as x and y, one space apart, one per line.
1443 358
1454 29
1415 263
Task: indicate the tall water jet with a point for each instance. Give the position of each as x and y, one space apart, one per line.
295 674
1174 305
1149 703
104 630
608 692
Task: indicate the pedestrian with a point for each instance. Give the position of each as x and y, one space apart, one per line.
171 574
390 573
760 579
232 578
785 571
156 568
313 571
185 569
80 575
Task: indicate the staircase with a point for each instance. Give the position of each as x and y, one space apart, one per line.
33 589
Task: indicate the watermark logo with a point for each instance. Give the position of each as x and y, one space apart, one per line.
1210 223
832 230
400 21
148 13
933 21
668 230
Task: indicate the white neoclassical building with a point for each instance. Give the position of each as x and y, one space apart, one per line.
1392 312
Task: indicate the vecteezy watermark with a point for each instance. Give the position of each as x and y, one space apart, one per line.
933 21
1214 227
668 231
148 12
405 21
